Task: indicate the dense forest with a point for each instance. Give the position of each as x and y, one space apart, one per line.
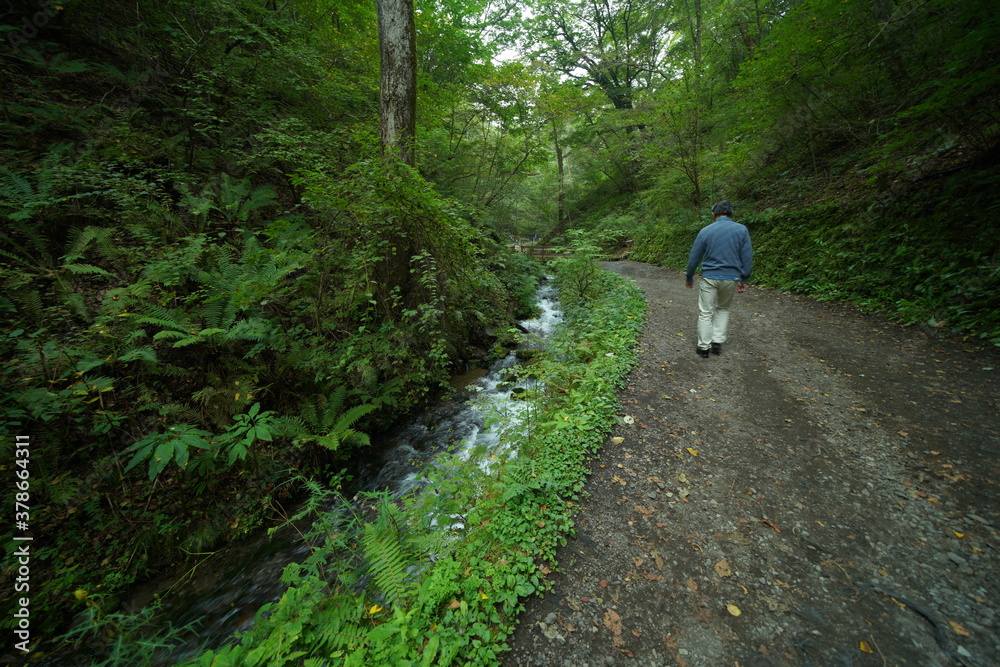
220 285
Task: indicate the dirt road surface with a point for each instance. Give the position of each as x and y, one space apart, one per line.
824 492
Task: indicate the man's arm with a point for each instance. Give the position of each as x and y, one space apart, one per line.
746 260
694 258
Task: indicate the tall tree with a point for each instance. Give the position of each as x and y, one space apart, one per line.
614 44
398 96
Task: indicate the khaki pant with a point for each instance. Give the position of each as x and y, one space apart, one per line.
714 297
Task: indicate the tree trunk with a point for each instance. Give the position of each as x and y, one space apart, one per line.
561 189
398 96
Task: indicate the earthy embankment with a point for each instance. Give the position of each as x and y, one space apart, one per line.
822 493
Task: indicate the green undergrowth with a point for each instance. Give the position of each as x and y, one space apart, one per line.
438 578
929 256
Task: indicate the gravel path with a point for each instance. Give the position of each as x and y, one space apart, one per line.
822 493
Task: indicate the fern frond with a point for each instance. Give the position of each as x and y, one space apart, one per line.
352 415
254 329
144 353
385 556
80 269
80 239
335 401
160 322
12 184
170 333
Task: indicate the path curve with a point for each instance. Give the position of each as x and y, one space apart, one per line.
831 476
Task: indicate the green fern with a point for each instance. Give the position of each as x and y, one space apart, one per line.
88 269
237 199
386 554
325 415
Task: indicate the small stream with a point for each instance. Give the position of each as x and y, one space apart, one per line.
228 589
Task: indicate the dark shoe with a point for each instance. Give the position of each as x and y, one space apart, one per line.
701 353
716 348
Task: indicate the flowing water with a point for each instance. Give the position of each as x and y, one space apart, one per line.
227 590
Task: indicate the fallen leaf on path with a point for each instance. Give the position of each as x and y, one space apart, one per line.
617 440
652 577
636 633
613 622
692 584
637 561
619 480
603 583
866 647
768 523
722 568
733 609
959 630
692 452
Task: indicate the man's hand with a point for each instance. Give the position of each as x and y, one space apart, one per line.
741 287
690 284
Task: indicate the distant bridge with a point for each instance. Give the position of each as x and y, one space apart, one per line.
542 253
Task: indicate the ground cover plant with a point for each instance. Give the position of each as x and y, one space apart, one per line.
382 586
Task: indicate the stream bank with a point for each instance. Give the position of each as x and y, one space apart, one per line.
227 589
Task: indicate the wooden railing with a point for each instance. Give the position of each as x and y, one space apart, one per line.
542 253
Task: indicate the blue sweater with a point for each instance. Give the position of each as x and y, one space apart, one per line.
723 249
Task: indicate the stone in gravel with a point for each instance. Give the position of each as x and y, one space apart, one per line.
956 559
551 618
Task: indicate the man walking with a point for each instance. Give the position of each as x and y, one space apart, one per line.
723 249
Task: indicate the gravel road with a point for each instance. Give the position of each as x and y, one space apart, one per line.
824 492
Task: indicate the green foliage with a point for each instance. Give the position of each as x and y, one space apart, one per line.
326 418
117 639
198 250
579 278
405 582
173 444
